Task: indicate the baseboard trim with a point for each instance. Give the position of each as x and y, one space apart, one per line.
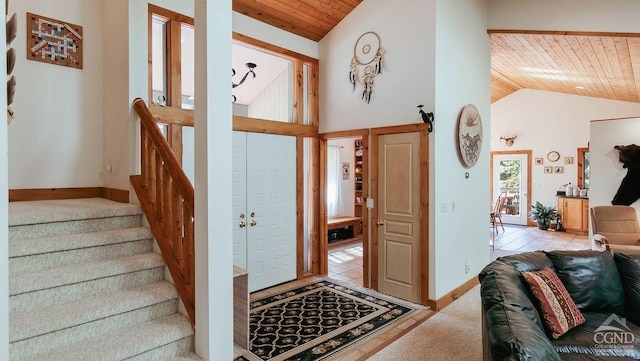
42 194
447 299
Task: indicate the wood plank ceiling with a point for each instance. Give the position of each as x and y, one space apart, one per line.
595 65
602 66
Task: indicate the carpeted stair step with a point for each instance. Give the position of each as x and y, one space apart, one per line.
35 290
41 331
161 339
36 219
189 357
28 255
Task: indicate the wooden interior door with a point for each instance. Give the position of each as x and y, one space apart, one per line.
398 215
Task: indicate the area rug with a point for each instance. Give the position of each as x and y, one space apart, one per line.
323 320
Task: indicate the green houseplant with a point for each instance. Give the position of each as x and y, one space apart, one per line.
543 215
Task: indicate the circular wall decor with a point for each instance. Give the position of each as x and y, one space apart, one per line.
553 156
469 135
366 63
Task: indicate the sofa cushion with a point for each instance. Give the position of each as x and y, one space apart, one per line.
559 312
592 279
629 269
595 337
501 283
528 261
514 336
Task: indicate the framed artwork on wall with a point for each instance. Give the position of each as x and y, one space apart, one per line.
54 41
548 170
559 169
568 160
539 161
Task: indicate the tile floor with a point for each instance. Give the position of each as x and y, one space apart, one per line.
345 259
345 262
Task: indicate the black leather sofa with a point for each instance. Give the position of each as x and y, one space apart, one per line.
600 284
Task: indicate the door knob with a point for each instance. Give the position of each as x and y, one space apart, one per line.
253 222
380 222
242 224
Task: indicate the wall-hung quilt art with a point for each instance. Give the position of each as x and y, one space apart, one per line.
54 41
366 63
469 135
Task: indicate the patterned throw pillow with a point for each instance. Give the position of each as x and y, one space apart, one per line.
558 310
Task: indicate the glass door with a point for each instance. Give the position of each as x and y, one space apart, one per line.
510 175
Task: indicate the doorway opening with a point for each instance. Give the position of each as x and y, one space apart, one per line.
344 234
344 209
510 175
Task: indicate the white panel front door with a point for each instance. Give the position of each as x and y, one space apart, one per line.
239 198
268 241
271 199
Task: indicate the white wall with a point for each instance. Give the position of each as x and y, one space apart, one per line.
253 28
462 77
56 138
547 121
569 15
406 29
347 154
606 169
438 55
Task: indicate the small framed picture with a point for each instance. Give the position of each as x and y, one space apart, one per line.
559 169
539 161
548 170
568 160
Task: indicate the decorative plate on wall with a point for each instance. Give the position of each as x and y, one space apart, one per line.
469 135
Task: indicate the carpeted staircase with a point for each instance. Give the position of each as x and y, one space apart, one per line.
85 284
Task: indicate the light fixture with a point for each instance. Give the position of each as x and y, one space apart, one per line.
509 139
251 66
579 87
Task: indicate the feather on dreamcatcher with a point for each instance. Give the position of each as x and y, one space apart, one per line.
366 63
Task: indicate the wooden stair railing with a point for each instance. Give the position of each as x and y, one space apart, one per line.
166 197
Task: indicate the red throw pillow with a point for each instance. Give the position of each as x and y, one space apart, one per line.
558 310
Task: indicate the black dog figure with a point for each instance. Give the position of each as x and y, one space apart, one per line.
629 190
426 117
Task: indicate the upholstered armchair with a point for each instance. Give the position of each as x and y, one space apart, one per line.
616 228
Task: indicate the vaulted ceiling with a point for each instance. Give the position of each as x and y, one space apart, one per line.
596 65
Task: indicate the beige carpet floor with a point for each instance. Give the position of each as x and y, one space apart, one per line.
454 333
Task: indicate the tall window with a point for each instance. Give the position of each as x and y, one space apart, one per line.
334 181
172 68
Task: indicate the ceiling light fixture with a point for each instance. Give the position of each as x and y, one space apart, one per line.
251 66
579 87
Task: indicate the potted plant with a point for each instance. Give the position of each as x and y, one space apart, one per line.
543 215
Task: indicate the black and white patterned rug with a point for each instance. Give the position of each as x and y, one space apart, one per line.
319 321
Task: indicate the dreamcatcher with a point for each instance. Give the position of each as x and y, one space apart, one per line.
366 63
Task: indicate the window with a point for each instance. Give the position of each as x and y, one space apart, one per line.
334 181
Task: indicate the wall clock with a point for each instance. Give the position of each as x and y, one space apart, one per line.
54 41
469 135
553 156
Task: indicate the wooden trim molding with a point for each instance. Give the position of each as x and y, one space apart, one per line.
552 32
43 194
447 299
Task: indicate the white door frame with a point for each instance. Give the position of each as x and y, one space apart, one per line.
527 186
